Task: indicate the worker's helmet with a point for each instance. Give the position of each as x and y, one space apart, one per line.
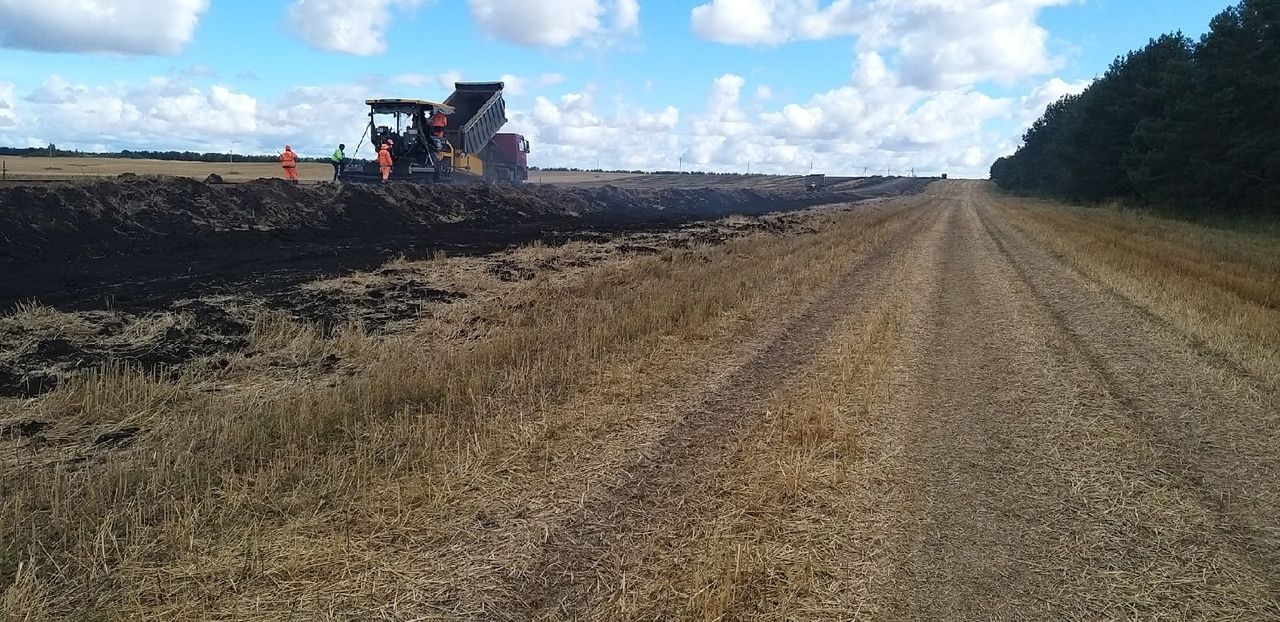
342 146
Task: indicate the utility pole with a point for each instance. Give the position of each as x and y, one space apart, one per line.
748 167
681 168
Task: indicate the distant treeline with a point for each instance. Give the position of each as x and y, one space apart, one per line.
183 156
1179 125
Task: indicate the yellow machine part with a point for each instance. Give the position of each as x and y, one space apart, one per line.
466 163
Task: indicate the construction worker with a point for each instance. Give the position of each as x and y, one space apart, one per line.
384 162
289 160
438 122
338 159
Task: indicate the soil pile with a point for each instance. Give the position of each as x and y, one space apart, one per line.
76 220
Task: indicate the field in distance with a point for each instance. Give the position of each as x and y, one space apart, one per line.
42 169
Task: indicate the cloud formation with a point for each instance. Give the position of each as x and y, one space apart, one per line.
874 124
8 117
911 100
130 27
555 23
344 26
134 115
939 44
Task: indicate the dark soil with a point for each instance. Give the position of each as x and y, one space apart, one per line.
142 242
35 359
114 251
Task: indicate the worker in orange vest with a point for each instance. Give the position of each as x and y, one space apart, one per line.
289 160
384 162
438 123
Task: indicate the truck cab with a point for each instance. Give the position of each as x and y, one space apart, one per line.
506 158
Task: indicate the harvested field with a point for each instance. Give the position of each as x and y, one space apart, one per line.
70 169
63 169
912 403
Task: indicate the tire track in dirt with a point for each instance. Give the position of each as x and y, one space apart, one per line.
1020 489
558 583
1224 361
972 516
1232 473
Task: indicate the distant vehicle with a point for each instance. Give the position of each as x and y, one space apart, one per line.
506 158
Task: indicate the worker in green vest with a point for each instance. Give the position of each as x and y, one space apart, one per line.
338 159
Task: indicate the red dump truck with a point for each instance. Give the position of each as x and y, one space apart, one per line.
506 158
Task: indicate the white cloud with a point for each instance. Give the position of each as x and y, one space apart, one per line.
134 27
942 46
747 21
626 17
345 26
554 23
1035 102
314 119
8 118
572 131
939 44
135 115
873 123
160 113
444 81
516 85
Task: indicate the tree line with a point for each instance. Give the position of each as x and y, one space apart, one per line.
1180 125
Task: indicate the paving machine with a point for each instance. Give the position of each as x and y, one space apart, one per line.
471 148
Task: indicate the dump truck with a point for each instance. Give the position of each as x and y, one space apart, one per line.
471 148
506 158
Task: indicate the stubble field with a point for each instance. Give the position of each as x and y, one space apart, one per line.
944 404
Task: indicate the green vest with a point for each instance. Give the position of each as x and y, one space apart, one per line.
338 156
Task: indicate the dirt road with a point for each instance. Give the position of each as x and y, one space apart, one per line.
1031 445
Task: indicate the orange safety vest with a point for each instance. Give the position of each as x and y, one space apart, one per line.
384 157
288 159
438 123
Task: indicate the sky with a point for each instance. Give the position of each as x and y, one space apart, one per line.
771 86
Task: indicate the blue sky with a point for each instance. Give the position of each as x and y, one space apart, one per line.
839 85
